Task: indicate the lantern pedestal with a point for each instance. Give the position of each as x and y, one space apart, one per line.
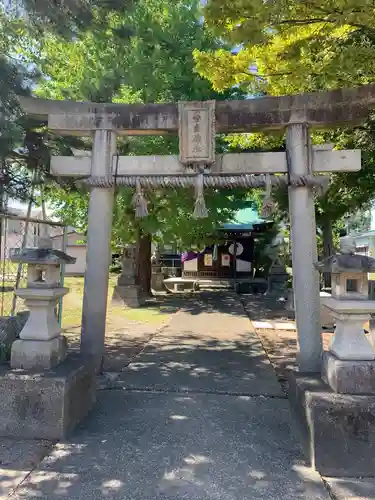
335 409
40 345
46 404
38 354
337 431
349 341
348 376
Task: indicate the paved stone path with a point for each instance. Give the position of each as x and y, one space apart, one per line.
272 324
198 414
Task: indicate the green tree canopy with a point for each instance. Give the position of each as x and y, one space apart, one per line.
15 79
22 143
293 46
65 17
154 64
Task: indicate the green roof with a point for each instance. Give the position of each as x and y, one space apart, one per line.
244 219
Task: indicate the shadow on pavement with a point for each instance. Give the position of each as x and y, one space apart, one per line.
138 446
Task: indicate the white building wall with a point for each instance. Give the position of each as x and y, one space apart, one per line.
76 249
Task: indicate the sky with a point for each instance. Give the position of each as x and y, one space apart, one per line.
17 204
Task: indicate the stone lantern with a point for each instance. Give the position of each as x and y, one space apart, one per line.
335 409
40 345
349 365
127 292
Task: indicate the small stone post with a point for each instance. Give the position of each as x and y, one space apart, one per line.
304 251
40 345
98 249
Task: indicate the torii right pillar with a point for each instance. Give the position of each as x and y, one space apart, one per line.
304 251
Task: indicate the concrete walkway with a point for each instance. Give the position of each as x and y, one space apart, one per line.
198 415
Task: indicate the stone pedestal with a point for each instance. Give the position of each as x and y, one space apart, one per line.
46 404
40 345
38 354
157 282
128 295
277 280
157 278
349 341
337 430
347 376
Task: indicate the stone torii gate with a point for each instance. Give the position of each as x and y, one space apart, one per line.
295 113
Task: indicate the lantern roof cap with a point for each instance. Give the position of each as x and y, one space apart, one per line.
346 263
44 256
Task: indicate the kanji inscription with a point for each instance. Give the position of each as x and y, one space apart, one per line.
197 132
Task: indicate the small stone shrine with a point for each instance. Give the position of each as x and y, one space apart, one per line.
40 345
335 410
127 292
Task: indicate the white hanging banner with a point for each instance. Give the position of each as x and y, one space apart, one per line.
225 260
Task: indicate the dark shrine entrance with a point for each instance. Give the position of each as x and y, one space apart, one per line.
232 257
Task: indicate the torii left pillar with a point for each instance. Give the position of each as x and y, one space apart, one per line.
304 251
98 249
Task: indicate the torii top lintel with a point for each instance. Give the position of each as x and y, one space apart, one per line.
318 109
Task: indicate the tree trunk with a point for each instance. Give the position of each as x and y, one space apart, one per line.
327 248
144 262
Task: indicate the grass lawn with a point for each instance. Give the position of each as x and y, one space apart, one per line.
72 308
